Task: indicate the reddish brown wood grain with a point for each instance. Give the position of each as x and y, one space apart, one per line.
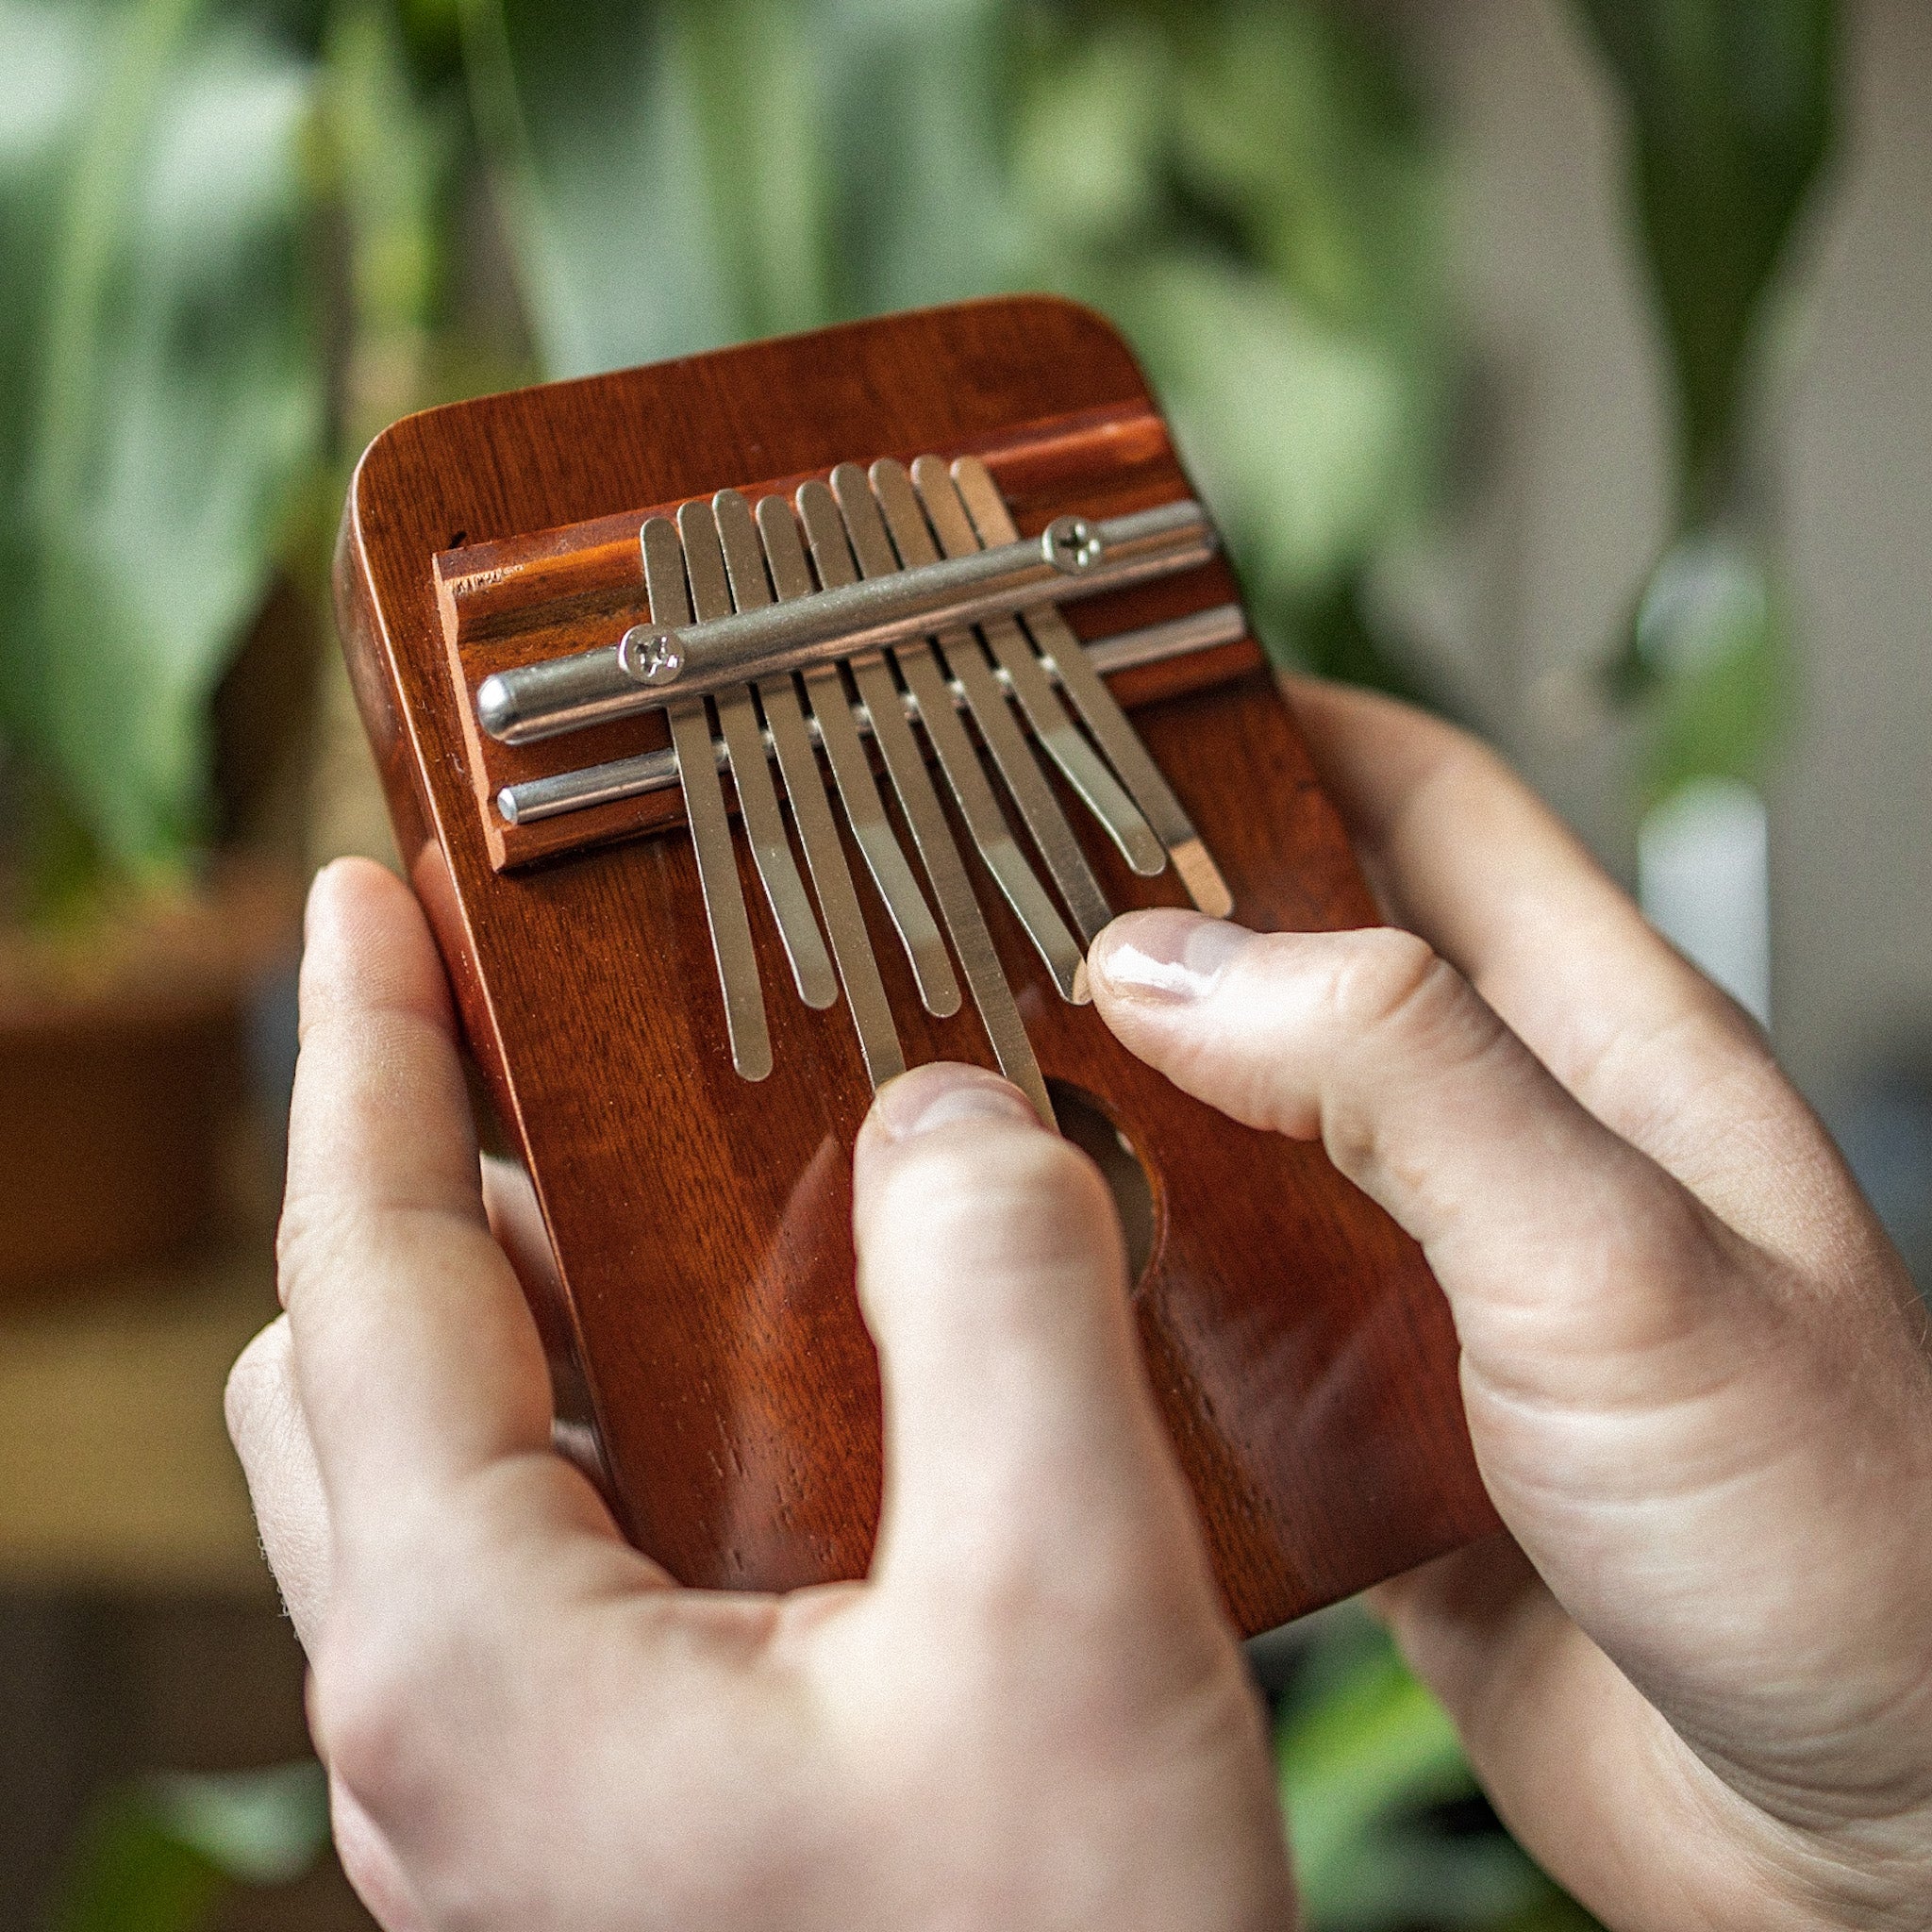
1299 1347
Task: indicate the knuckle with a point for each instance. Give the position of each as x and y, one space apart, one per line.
306 1238
1389 980
1023 1603
1401 1010
1012 1585
1029 1582
1030 1193
376 1688
361 1697
1017 1596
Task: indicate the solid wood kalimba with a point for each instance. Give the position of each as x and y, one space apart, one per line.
870 580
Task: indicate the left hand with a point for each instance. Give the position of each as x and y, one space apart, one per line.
1031 1714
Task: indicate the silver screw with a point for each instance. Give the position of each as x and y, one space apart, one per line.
1071 544
648 656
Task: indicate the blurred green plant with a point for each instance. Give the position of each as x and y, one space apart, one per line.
245 237
241 235
161 1854
1383 1816
162 397
1731 117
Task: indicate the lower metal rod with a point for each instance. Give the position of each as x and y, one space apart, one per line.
534 799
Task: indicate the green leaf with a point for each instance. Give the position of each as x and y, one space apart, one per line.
658 170
1306 434
1731 107
393 154
1301 137
167 362
159 1855
917 105
392 143
1092 135
1247 189
683 176
47 55
1363 1750
754 75
1335 636
1712 639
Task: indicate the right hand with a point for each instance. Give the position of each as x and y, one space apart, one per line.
1698 1683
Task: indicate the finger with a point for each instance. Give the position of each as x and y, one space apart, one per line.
1528 1206
415 1356
1462 853
370 1865
516 1224
1022 1443
271 1435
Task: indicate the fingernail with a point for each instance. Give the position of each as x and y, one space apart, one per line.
315 888
941 1094
1167 956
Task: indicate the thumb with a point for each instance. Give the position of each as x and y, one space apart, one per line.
1023 1453
1579 1273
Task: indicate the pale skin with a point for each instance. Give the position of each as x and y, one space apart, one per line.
1695 1677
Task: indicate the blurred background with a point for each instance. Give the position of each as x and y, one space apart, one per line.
1561 363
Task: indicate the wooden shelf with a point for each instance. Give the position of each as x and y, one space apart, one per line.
115 1468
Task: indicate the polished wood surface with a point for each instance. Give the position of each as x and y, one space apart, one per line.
708 1324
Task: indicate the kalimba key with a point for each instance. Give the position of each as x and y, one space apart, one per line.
932 597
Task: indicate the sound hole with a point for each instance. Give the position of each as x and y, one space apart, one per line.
1092 1129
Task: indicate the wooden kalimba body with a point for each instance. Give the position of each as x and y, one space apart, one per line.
758 725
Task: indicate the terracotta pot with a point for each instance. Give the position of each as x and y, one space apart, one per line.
124 1074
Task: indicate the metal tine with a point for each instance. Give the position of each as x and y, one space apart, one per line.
966 662
939 988
1098 710
865 529
1079 763
812 811
826 529
758 798
710 830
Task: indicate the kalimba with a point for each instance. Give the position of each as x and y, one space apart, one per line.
927 603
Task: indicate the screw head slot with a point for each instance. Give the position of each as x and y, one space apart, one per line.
649 655
1071 544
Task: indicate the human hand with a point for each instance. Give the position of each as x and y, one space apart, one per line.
1032 1714
1698 1682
